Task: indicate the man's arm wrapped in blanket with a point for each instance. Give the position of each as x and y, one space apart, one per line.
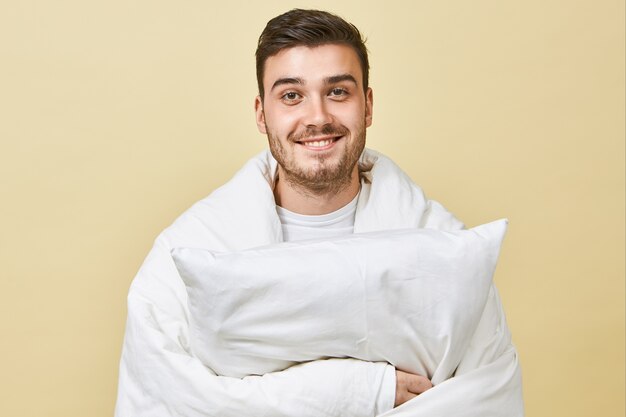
159 377
487 382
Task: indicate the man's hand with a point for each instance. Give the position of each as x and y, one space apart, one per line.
409 386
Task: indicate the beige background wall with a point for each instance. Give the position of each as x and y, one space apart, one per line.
117 115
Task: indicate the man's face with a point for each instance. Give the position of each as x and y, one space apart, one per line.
315 114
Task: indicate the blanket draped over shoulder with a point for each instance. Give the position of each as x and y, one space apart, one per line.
160 377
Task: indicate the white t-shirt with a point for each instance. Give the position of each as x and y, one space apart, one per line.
300 226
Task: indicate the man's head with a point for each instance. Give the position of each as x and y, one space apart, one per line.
309 28
314 103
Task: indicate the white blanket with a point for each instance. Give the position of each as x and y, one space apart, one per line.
160 377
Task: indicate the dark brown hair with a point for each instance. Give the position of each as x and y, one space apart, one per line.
311 28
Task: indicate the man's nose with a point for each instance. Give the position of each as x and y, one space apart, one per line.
317 113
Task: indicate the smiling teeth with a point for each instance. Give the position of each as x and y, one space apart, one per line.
319 143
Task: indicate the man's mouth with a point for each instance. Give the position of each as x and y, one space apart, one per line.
319 143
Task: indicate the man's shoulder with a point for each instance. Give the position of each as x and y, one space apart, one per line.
392 200
240 213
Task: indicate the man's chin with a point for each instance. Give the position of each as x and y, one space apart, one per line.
319 176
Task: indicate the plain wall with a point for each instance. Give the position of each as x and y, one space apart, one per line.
115 116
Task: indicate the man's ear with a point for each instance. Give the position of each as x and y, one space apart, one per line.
369 107
260 116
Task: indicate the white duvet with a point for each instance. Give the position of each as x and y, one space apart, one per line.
162 373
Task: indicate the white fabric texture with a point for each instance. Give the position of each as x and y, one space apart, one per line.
159 375
410 297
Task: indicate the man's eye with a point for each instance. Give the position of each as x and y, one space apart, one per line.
291 96
338 92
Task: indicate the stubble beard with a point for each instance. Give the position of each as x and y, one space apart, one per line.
323 178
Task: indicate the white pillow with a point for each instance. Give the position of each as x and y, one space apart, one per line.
412 298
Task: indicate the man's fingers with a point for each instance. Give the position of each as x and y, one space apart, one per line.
409 386
417 384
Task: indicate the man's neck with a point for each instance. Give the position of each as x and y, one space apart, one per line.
303 201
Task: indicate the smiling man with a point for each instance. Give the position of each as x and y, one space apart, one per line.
318 181
315 109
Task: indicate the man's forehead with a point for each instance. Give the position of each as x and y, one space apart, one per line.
313 63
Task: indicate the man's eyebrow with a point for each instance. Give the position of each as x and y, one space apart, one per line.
339 78
333 79
287 80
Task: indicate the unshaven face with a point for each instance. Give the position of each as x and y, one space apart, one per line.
315 114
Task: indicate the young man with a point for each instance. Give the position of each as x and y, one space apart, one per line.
314 105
